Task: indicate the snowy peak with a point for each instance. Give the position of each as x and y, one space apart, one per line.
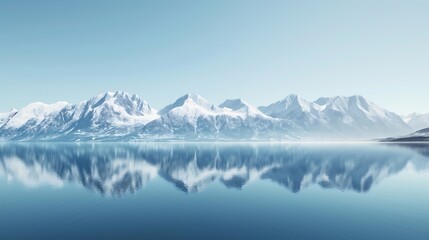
106 115
119 115
189 103
324 102
358 108
131 104
416 120
113 109
343 104
339 116
35 113
291 105
241 106
234 104
193 117
295 101
185 116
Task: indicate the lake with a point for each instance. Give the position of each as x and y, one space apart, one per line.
214 191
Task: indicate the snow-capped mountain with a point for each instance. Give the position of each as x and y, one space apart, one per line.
193 117
358 115
30 120
241 119
110 114
189 116
416 120
106 115
302 112
242 108
119 116
339 117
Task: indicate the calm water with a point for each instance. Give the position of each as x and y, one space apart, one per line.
214 191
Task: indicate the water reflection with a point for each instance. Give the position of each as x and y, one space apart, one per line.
115 169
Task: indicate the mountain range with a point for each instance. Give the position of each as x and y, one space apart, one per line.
119 116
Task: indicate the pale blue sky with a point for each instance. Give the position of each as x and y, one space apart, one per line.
260 50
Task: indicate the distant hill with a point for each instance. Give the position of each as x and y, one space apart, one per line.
418 136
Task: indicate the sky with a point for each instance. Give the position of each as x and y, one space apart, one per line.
258 50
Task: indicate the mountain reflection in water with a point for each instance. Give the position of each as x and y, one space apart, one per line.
115 169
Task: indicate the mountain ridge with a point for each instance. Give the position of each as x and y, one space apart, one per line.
417 120
119 116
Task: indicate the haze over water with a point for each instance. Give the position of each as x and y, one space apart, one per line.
214 191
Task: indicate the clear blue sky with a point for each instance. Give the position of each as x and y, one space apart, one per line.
260 50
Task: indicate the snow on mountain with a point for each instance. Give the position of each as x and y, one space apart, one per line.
358 115
416 120
338 117
240 119
189 104
4 117
108 110
189 116
119 116
34 113
290 106
241 108
26 123
192 116
298 110
356 108
189 109
106 115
